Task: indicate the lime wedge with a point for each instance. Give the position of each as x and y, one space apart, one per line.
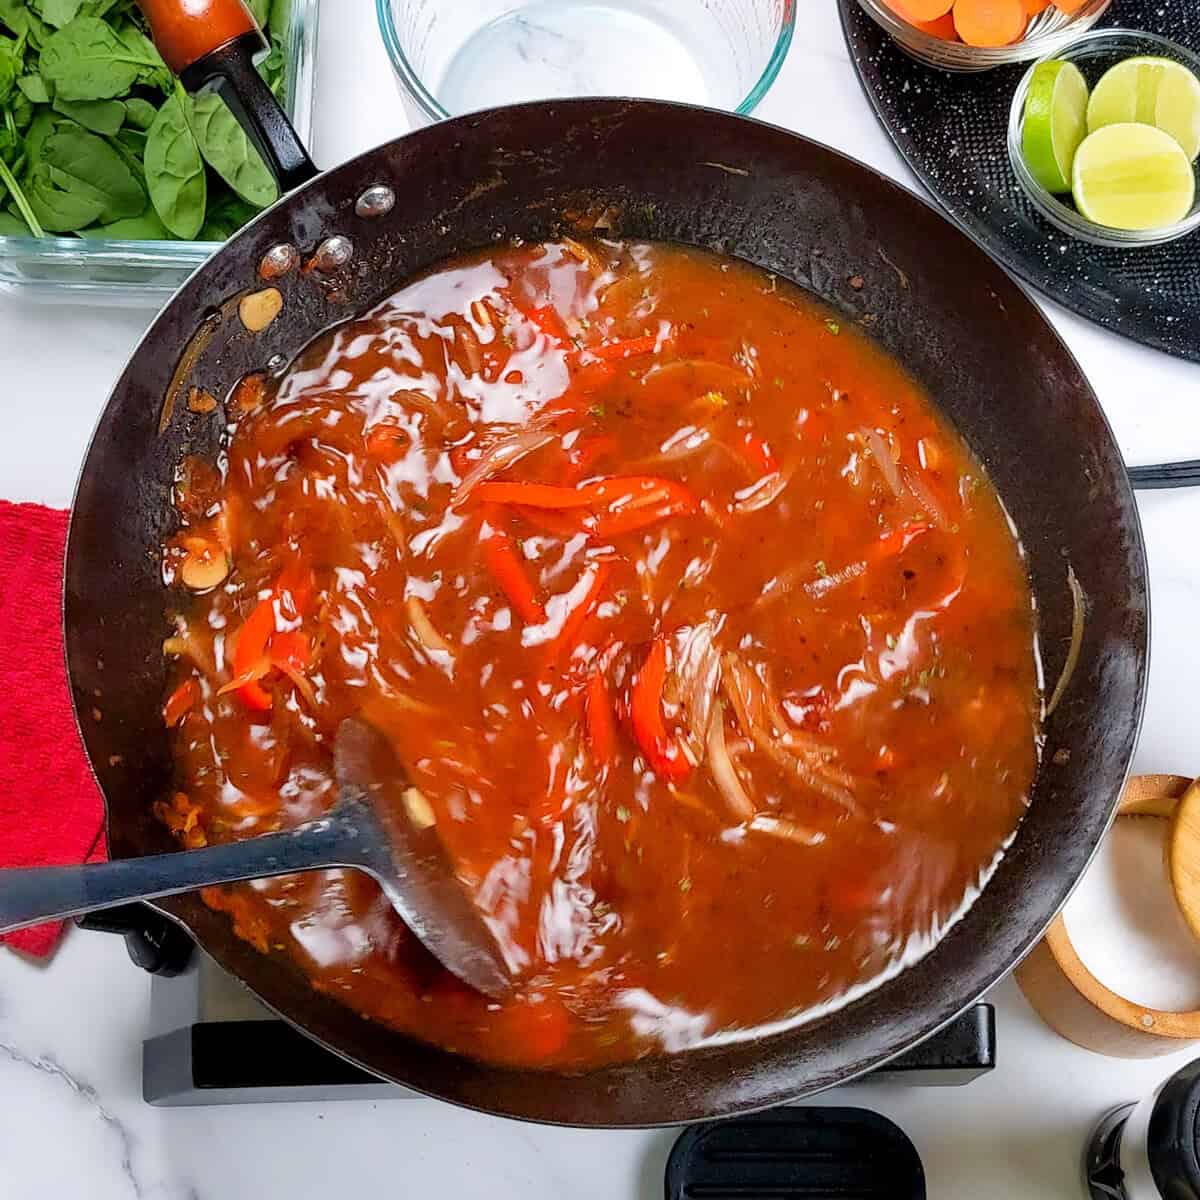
1152 91
1055 123
1132 176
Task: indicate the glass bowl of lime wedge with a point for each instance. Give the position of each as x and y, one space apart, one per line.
1104 135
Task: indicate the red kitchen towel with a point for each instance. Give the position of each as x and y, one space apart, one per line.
51 812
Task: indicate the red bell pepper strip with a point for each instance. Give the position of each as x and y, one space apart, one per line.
258 636
506 569
533 495
625 348
548 321
179 702
568 635
251 646
899 540
662 751
387 443
598 711
563 525
290 649
757 453
645 503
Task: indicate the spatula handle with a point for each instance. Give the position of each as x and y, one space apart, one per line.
213 44
31 896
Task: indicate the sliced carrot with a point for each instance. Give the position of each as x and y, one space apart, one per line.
920 10
990 22
942 28
1033 7
1069 6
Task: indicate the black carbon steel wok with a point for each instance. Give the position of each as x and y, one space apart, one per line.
878 254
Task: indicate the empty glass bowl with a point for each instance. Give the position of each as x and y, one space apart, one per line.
1048 32
1093 54
452 57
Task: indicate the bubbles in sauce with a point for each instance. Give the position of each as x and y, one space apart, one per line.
704 638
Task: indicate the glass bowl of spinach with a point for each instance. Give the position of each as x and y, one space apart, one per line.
114 184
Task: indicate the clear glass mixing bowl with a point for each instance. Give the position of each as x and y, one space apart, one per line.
452 57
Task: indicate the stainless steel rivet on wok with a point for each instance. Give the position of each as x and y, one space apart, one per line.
278 261
333 252
376 201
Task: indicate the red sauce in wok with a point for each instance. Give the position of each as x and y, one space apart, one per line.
704 639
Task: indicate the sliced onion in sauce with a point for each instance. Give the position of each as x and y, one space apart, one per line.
781 827
882 456
1078 613
925 498
423 627
499 457
301 684
695 681
765 492
724 773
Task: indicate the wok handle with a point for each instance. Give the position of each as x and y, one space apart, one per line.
31 896
213 44
1166 475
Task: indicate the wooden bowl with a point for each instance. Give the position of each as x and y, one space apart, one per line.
1069 998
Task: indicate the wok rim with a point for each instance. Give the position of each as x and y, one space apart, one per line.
935 1015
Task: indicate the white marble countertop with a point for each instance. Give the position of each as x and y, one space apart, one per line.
73 1120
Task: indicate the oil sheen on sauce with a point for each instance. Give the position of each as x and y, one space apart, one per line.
704 637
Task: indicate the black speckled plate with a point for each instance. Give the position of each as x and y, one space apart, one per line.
952 130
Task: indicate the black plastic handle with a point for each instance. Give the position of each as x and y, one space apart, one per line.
230 70
1166 475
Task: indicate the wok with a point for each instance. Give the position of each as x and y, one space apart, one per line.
874 251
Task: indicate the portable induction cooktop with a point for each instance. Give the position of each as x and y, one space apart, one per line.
212 1042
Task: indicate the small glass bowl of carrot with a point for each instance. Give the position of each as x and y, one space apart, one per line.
976 35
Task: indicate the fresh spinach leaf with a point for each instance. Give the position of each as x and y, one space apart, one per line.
130 144
87 60
11 226
139 113
146 228
34 88
10 67
40 129
281 15
59 12
226 216
23 20
154 72
101 8
260 10
230 153
82 163
175 174
57 204
100 116
21 110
